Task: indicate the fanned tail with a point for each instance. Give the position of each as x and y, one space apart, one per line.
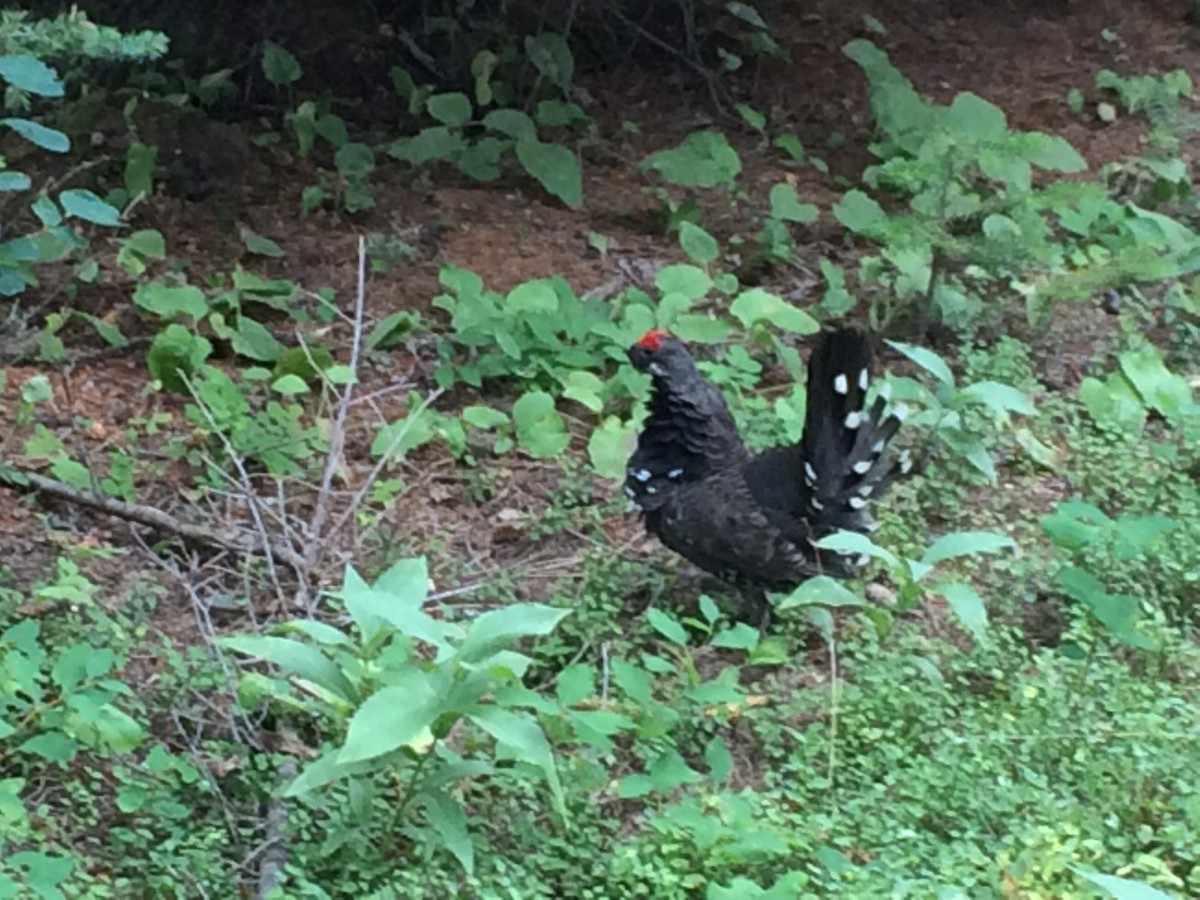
844 449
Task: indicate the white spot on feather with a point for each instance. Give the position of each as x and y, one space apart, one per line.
817 504
630 492
900 412
675 473
905 462
878 446
810 473
853 420
864 379
857 502
866 490
841 385
642 475
656 369
862 468
634 507
651 489
862 559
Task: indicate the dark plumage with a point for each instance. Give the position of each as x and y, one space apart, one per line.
753 520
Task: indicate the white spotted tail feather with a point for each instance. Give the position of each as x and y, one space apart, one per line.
844 449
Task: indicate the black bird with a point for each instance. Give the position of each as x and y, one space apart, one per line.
753 520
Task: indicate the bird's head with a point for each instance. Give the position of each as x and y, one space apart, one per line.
661 354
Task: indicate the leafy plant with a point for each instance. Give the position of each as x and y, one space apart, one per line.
404 694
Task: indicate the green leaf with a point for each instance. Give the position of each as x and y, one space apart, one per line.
1158 387
609 448
786 205
263 246
858 544
975 119
175 351
46 138
168 301
757 305
667 626
1122 888
1000 398
859 213
965 543
87 206
511 122
704 159
586 388
536 296
681 278
354 160
290 385
1053 152
30 74
737 637
719 759
399 715
1136 534
484 417
574 683
14 181
555 167
448 819
700 246
254 340
519 737
139 169
820 591
541 431
500 627
279 66
429 144
701 329
966 604
927 360
295 658
50 745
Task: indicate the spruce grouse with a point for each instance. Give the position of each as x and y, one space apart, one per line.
753 520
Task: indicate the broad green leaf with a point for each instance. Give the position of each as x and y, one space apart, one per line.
46 138
139 169
396 716
555 167
290 385
511 122
14 181
323 770
500 627
927 360
50 745
719 759
667 626
858 544
786 205
1122 888
700 246
681 278
448 819
701 329
610 446
975 119
859 213
1000 398
965 543
87 206
966 604
354 160
263 246
429 144
518 736
757 305
484 417
168 301
1159 387
279 66
295 658
820 591
254 340
1136 534
704 159
575 683
30 74
737 637
536 296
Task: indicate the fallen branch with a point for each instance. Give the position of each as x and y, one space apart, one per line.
154 518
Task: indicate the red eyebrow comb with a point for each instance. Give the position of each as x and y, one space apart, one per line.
652 339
